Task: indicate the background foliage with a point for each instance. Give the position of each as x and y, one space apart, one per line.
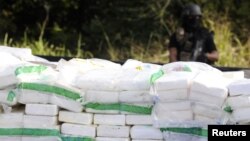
119 29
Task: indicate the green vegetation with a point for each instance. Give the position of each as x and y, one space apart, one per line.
119 30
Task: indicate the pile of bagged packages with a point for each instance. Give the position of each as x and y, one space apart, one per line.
96 99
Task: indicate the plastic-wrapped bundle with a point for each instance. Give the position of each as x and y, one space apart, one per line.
142 96
97 101
238 102
135 75
185 134
209 114
76 118
16 125
239 87
186 95
100 79
195 67
146 133
12 132
89 74
172 114
134 85
113 131
124 108
170 92
78 130
62 96
7 69
109 119
136 102
38 84
209 88
239 106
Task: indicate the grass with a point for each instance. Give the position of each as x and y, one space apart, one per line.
232 52
43 47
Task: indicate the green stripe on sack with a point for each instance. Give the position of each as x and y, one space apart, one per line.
30 69
136 109
28 132
11 96
120 107
68 138
193 131
98 106
50 89
11 131
156 76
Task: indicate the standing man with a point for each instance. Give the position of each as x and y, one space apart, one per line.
192 41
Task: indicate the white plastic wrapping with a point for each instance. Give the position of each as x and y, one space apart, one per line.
188 94
170 136
135 75
113 131
99 79
239 87
145 132
77 118
190 67
78 130
7 69
41 109
135 96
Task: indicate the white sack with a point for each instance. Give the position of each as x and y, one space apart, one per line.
104 119
145 132
174 80
102 96
111 139
78 130
239 87
172 95
139 120
113 131
41 109
135 96
78 118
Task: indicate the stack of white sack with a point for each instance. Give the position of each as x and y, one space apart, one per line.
43 118
96 77
209 88
209 93
239 101
77 125
180 94
17 126
104 118
134 85
8 80
39 84
111 127
11 123
170 92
